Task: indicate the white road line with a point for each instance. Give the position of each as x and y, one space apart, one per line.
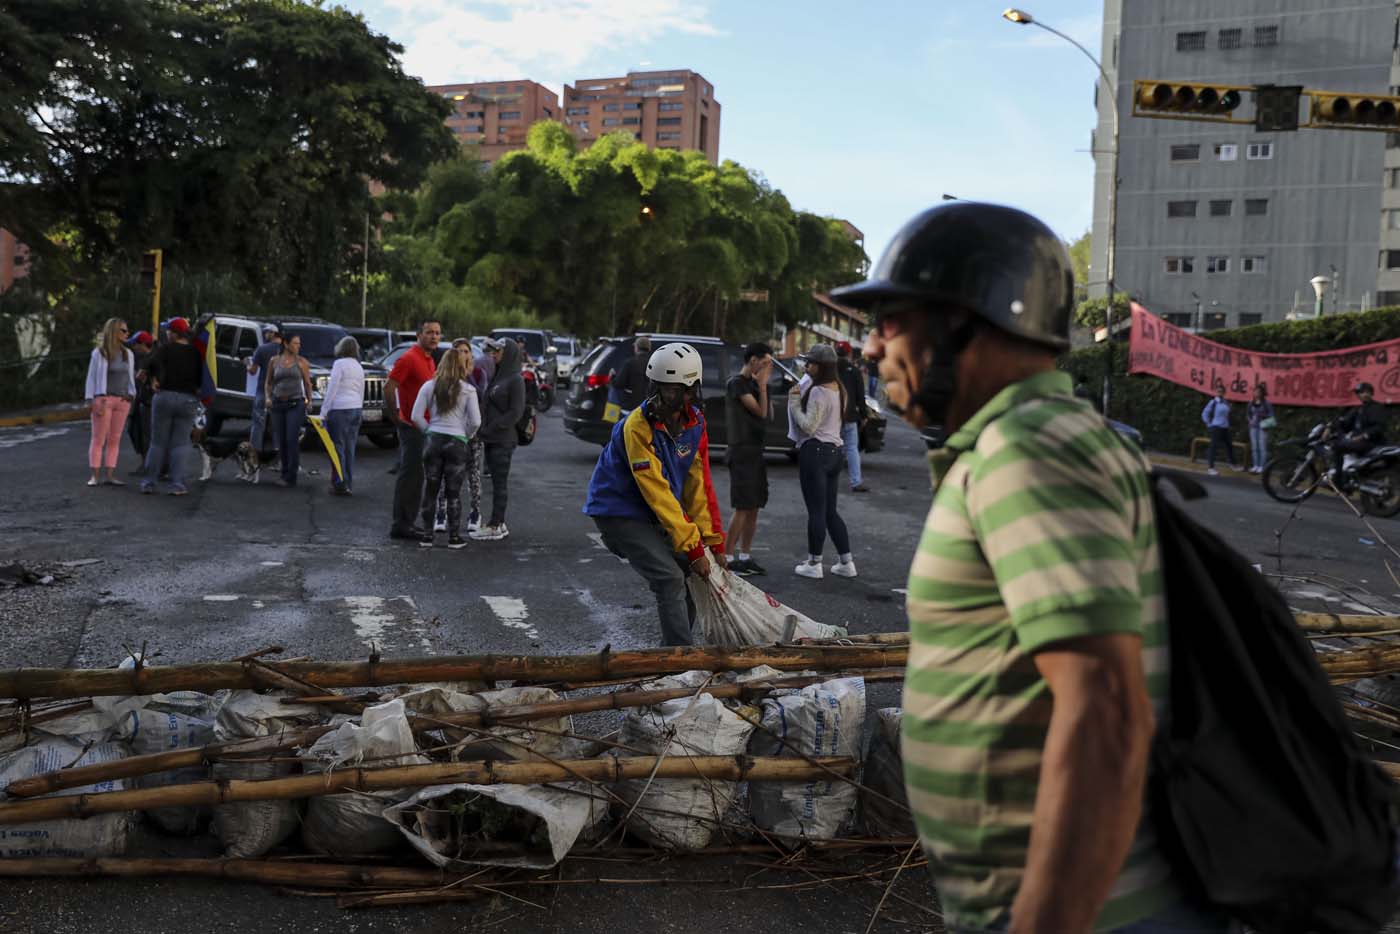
390 623
38 435
512 613
221 597
597 539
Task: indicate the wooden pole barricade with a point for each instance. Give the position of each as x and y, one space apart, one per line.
300 873
607 769
1342 624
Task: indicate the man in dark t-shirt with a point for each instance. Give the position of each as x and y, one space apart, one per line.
746 424
257 379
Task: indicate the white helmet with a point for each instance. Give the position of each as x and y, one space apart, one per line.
674 363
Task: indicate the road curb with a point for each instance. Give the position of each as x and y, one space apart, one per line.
19 419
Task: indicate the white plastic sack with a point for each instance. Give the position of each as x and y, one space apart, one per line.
884 808
518 742
680 813
734 613
250 829
456 826
146 731
353 824
103 835
820 720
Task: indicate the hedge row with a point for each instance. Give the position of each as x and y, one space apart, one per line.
1169 416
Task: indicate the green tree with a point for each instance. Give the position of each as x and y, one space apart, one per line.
1079 253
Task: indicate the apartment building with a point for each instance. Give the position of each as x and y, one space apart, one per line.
664 109
496 115
1218 224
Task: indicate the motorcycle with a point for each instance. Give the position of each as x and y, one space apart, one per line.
1373 477
539 388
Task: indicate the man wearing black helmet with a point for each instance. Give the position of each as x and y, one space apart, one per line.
1037 621
1359 430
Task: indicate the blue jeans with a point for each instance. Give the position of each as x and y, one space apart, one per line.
255 437
1177 918
172 418
343 425
287 419
1259 444
850 440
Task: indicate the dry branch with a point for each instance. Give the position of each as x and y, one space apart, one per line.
1336 622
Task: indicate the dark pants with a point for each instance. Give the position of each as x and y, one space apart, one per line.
138 425
819 472
649 552
343 425
172 418
286 419
1220 437
498 462
408 485
445 463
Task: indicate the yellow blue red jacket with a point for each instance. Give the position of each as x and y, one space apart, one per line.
645 473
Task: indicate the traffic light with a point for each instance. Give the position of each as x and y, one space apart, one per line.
1215 103
1330 109
1276 107
150 270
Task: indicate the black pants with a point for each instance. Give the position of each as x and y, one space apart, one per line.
1220 437
408 485
498 462
819 471
445 461
138 425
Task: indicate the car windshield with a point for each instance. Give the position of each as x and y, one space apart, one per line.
317 343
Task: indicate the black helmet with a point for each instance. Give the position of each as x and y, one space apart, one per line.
1365 387
996 261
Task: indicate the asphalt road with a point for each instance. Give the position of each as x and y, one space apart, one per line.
234 567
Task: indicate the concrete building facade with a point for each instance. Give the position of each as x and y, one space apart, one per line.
664 109
496 115
1223 225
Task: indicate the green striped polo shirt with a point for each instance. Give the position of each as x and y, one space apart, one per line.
1041 529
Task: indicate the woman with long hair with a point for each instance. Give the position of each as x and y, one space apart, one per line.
288 390
446 409
110 389
342 405
814 414
1261 422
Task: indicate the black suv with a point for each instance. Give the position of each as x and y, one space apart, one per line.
235 339
719 360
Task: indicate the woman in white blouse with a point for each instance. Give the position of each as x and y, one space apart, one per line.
814 414
446 408
341 406
111 387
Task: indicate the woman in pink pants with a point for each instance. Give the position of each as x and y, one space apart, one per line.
111 385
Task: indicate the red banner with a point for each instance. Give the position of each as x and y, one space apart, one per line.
1318 379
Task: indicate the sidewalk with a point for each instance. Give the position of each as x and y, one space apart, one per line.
62 412
1182 463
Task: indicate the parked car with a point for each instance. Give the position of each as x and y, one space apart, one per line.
235 339
374 342
719 360
568 350
538 344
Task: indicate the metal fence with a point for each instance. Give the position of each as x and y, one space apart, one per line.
46 380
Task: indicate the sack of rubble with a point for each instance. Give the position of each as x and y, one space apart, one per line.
102 835
250 829
511 741
734 613
884 807
522 826
680 813
170 722
352 823
819 720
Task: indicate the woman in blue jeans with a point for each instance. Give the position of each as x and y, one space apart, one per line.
287 390
342 406
814 416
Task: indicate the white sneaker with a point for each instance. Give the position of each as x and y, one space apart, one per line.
807 569
844 568
489 533
1212 472
440 524
473 522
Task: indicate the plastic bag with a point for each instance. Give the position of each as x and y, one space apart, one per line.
734 613
820 720
102 835
884 807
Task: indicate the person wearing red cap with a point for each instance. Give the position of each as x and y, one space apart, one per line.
138 424
175 370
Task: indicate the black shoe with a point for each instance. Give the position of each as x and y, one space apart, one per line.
860 488
425 539
740 567
754 568
456 541
410 535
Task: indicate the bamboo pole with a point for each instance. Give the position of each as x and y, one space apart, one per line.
1342 623
30 683
273 872
608 769
132 766
1356 664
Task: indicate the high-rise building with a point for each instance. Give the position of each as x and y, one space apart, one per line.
1229 224
496 115
664 109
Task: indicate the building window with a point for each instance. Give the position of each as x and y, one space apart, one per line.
612 107
1221 208
670 105
1180 265
475 114
1387 299
1213 321
631 121
1186 152
1265 36
1392 178
668 121
471 128
1249 318
1181 209
577 111
1392 258
1252 264
634 105
1216 264
1230 38
1256 207
1179 320
1259 151
584 97
612 121
668 136
1227 152
1191 41
510 115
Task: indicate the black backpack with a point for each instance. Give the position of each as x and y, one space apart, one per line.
1266 804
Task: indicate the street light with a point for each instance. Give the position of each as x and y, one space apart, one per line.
1022 18
1319 284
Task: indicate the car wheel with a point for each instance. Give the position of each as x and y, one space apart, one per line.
385 441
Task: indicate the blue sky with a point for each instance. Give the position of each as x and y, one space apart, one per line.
867 111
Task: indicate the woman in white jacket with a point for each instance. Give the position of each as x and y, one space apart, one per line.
111 387
446 408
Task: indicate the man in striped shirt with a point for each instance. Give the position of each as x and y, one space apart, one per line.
1037 619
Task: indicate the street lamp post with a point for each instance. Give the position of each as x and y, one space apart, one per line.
1319 284
1022 18
1200 322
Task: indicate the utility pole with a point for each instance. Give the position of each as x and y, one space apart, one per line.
364 274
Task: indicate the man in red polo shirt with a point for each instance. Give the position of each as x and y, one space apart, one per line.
414 368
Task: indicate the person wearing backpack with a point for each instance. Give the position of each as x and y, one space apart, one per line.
1216 416
1036 666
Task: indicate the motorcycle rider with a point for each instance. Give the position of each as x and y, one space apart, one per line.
1358 431
651 495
